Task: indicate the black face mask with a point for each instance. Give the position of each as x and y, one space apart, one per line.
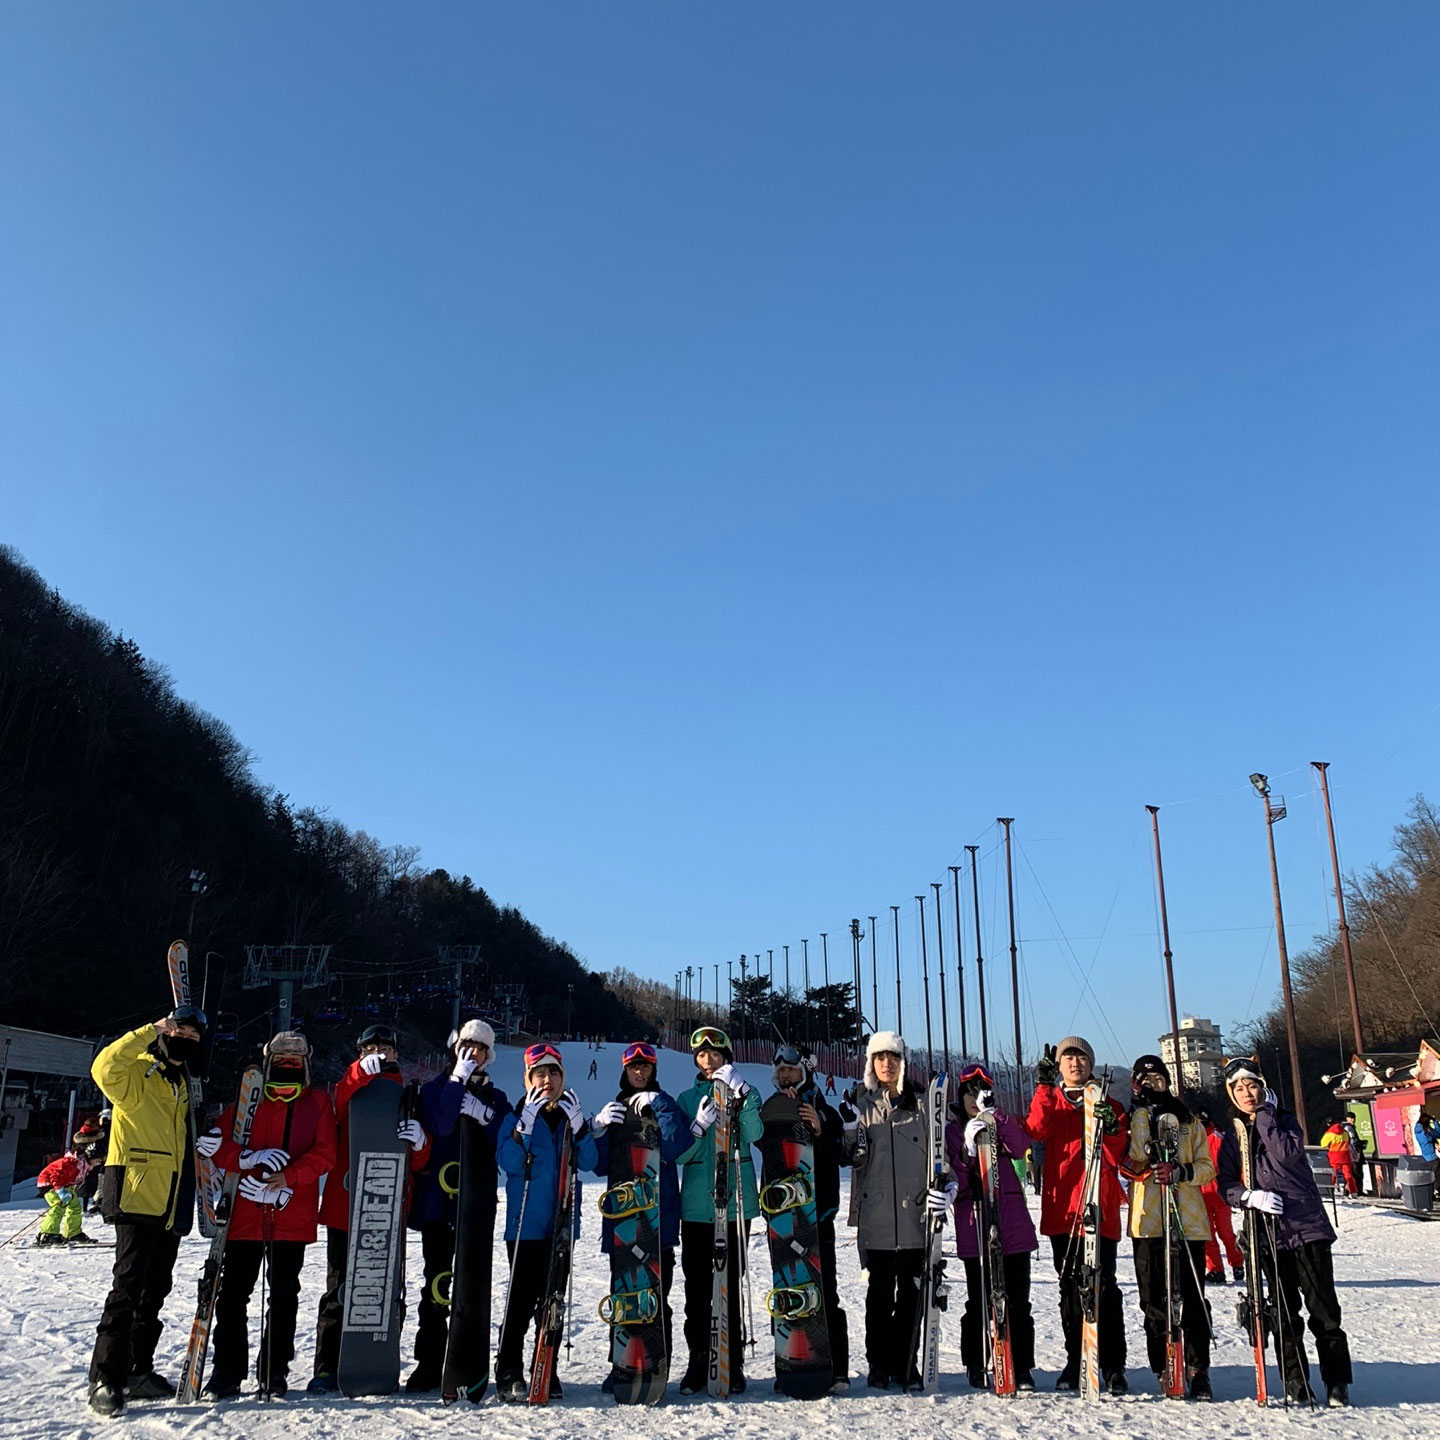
182 1050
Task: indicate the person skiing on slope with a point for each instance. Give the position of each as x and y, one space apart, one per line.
1057 1120
377 1059
791 1077
1017 1232
60 1185
290 1148
1191 1168
640 1089
148 1195
1222 1229
433 1204
529 1154
714 1061
1337 1151
1293 1216
891 1200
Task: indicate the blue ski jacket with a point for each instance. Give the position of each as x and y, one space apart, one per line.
436 1185
675 1139
536 1157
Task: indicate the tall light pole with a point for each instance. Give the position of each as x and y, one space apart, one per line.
960 962
805 993
874 981
825 962
744 1025
899 1009
979 956
1274 812
787 993
925 979
856 936
1322 766
1169 959
1007 822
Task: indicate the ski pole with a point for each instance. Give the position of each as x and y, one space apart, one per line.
266 1225
570 1288
24 1228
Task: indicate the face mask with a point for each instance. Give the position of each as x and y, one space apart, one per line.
181 1050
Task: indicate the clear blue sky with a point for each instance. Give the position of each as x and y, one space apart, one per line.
692 467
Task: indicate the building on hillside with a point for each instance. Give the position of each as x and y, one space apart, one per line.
1202 1059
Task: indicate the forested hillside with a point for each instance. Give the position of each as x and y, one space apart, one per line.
113 790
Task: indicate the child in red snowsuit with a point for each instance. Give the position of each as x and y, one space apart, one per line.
59 1183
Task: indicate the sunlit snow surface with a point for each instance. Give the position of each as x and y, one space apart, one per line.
1387 1267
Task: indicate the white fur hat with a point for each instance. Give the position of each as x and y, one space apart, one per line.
884 1042
476 1032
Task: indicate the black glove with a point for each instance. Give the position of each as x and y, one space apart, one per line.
1107 1116
1167 1104
1047 1068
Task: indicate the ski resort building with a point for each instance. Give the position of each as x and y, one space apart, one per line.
1202 1058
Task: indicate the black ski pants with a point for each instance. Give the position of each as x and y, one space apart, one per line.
437 1246
697 1252
130 1327
1309 1272
836 1321
1194 1312
1022 1321
529 1275
892 1305
332 1313
1111 1320
238 1274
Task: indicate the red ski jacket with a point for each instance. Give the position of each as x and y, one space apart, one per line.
64 1173
305 1128
1060 1127
335 1202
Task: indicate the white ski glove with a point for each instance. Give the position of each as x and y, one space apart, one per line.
272 1159
706 1114
1267 1202
973 1131
938 1202
252 1187
372 1064
413 1133
1270 1098
464 1069
608 1115
476 1109
730 1076
574 1111
534 1102
985 1100
209 1143
643 1100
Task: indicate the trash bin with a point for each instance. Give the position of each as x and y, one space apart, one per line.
1417 1183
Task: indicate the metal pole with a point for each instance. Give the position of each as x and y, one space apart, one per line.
940 972
874 980
925 974
1292 1034
717 992
455 1006
1322 766
979 958
899 1024
825 961
787 993
730 986
855 935
1169 961
805 993
960 963
1007 822
70 1121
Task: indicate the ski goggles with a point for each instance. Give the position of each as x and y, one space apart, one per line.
976 1077
542 1054
787 1055
285 1091
709 1037
1243 1067
374 1037
639 1054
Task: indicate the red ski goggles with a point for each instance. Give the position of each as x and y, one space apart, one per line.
639 1053
543 1054
978 1076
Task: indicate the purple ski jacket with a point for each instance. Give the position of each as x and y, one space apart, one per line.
1281 1165
1017 1230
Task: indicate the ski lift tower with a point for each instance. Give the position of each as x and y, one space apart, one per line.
286 966
509 997
459 956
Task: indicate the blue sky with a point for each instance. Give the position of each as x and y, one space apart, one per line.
691 468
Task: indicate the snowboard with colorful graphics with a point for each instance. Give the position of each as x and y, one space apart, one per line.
804 1366
634 1308
373 1301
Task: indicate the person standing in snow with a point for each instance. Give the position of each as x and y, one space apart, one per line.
1292 1215
891 1202
1057 1120
60 1185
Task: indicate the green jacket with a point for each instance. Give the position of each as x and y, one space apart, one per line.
697 1164
149 1169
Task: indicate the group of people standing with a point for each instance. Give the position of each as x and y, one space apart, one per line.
294 1164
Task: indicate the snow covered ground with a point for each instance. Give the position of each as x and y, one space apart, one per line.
1387 1267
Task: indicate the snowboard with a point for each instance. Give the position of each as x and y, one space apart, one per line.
373 1302
804 1367
552 1304
1172 1382
634 1308
992 1258
724 1184
933 1290
467 1348
247 1102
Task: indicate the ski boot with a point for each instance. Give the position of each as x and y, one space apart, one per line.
221 1387
1200 1386
81 1238
1337 1396
149 1385
324 1383
105 1399
43 1239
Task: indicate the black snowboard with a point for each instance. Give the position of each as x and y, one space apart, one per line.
467 1350
634 1309
373 1307
804 1367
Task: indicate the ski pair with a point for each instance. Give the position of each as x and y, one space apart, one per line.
1259 1314
1172 1380
934 1292
207 1178
992 1259
724 1185
1096 1091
